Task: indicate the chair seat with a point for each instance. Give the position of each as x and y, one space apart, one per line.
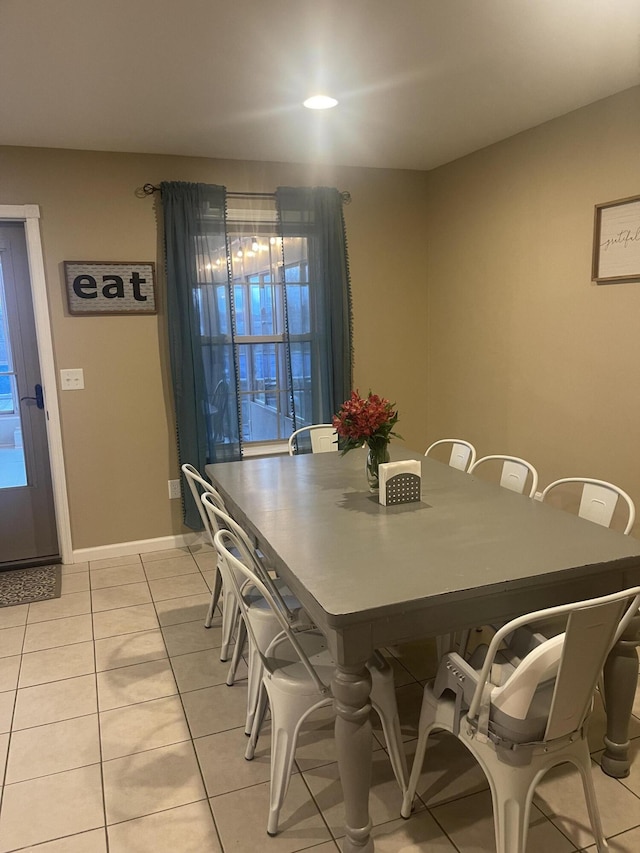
265 627
289 673
502 726
259 606
253 597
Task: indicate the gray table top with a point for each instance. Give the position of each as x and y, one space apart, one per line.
354 560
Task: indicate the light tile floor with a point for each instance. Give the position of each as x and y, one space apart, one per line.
119 734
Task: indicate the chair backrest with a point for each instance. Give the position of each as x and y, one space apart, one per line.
224 542
219 402
323 438
514 473
463 453
198 485
568 665
220 394
598 500
221 520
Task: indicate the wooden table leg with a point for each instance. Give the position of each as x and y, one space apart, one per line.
620 682
351 688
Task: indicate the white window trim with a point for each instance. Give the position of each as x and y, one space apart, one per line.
255 448
30 215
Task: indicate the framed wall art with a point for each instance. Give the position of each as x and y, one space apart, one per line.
105 287
616 241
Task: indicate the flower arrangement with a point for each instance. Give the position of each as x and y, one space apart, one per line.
365 420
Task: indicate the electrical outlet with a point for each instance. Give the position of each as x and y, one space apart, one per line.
72 380
174 489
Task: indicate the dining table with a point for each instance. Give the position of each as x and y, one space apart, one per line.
469 553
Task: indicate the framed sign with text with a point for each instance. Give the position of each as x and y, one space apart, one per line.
103 287
616 241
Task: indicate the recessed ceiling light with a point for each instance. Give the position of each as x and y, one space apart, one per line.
320 102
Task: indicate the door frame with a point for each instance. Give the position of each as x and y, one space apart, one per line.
30 215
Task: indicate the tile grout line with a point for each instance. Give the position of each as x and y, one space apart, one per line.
99 722
192 739
184 711
13 711
4 784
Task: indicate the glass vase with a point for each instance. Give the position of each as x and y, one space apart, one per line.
378 453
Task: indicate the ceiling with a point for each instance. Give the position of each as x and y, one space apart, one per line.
420 82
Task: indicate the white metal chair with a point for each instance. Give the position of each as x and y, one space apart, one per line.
598 500
463 453
297 671
323 438
525 708
214 514
514 473
462 456
513 476
266 626
219 405
197 484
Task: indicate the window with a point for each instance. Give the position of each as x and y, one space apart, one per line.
271 297
259 315
13 472
7 393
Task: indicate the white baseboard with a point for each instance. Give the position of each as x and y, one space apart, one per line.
140 546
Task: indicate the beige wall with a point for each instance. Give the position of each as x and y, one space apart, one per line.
118 433
474 309
525 354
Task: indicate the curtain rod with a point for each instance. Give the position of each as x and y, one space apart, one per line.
150 189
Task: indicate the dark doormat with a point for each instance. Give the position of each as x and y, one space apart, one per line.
21 586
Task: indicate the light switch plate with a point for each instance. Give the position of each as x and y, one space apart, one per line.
72 379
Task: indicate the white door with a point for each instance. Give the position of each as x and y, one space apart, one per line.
27 516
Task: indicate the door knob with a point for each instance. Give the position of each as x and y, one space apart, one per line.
39 397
